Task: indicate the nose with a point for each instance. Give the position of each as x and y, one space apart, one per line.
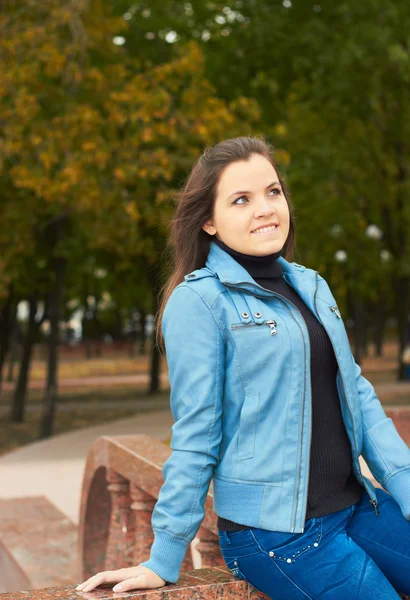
263 208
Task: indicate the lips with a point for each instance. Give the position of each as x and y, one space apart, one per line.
263 226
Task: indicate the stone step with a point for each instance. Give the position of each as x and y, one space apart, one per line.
38 545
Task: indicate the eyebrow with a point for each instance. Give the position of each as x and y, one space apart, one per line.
246 192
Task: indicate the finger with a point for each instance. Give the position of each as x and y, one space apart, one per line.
99 578
130 584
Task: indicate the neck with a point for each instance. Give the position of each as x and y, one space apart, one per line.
257 266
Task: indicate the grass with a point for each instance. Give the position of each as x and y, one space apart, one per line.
93 367
13 435
88 394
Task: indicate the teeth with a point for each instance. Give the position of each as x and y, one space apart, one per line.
264 229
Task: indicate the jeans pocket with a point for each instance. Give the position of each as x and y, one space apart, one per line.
235 539
289 547
247 567
232 564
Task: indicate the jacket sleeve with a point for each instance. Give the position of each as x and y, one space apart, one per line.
384 450
195 356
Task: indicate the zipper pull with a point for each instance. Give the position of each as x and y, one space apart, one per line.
335 310
375 506
272 325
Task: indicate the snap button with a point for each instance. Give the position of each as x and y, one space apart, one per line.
316 544
234 562
271 553
289 560
258 315
245 315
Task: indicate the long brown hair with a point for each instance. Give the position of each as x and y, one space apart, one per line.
188 244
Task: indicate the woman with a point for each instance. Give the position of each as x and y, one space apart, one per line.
269 402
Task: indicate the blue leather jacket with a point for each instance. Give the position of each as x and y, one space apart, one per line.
238 360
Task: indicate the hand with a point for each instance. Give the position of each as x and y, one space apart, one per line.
127 579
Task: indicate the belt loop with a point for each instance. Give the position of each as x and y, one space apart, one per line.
239 300
224 536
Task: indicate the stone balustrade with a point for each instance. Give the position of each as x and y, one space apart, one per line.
122 480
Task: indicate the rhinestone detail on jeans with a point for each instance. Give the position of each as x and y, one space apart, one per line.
295 556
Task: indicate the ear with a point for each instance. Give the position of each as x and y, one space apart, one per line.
209 228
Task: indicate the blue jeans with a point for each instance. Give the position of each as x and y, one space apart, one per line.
350 554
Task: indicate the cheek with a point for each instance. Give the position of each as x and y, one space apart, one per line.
227 219
284 214
240 221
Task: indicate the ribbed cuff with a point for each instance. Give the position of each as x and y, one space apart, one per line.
167 555
399 488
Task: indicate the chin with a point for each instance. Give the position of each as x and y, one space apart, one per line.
269 246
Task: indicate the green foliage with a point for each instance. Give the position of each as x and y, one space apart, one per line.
104 133
91 135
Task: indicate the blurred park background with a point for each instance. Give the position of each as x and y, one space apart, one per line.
104 107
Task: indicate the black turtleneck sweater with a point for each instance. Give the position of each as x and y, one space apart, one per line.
332 484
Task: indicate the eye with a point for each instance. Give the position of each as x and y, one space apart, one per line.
271 190
240 198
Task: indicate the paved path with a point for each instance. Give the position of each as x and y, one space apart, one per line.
54 467
98 381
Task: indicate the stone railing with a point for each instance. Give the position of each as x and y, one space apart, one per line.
200 584
122 480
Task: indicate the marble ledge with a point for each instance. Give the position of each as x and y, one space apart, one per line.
198 584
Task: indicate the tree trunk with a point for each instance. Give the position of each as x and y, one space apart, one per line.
143 338
7 319
132 337
155 355
51 393
155 362
118 335
13 350
402 281
379 327
402 293
356 312
365 329
20 391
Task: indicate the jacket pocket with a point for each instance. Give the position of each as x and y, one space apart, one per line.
268 325
247 426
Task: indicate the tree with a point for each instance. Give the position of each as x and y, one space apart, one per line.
92 140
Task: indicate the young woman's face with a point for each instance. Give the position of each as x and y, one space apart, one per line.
248 197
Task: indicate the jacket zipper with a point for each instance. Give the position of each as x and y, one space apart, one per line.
284 301
272 325
335 311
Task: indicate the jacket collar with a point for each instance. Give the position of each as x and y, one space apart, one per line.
231 273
